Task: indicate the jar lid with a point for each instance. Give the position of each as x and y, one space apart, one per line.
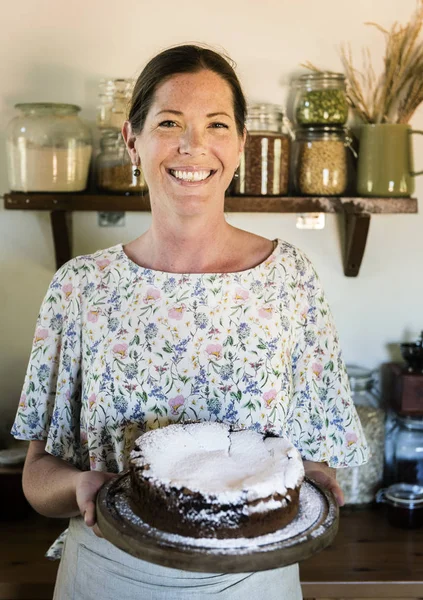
112 138
50 106
302 133
405 494
359 377
319 75
255 110
119 87
410 422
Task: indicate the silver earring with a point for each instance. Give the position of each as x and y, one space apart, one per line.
137 172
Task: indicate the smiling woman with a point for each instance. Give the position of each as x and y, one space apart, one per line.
189 146
193 320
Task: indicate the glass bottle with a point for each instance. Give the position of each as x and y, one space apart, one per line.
114 170
115 96
48 149
264 164
360 484
320 99
321 162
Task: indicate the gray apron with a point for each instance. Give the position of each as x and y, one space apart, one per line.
93 569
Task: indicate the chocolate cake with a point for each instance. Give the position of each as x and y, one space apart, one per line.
205 480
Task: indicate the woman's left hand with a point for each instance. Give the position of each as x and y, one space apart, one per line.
326 477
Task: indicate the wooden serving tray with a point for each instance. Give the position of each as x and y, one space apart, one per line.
311 531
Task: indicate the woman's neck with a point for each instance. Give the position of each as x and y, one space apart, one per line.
196 246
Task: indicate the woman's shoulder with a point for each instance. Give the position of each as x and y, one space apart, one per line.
97 262
293 258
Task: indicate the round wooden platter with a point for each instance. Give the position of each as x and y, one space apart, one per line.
311 531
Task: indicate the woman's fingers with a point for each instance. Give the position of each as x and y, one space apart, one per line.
89 483
326 477
89 514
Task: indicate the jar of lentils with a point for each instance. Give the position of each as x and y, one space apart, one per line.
321 161
320 99
264 164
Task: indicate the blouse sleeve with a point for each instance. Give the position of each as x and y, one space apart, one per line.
49 407
324 424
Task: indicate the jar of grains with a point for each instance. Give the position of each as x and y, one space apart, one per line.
48 149
321 161
264 165
115 96
320 99
360 484
114 170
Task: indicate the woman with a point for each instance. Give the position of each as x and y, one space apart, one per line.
193 319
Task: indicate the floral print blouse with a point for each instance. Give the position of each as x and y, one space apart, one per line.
120 349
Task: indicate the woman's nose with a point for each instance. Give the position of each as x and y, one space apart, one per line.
192 141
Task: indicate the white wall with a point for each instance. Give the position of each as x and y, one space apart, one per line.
57 51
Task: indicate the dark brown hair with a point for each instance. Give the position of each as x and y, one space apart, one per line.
183 59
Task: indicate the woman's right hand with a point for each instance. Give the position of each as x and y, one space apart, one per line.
87 487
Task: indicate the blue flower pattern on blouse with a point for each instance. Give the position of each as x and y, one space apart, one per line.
120 349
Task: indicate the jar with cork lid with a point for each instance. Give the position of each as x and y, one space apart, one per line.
264 163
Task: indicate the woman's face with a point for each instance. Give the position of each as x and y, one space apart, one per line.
189 147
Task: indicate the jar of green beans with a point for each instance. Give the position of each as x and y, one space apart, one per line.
320 99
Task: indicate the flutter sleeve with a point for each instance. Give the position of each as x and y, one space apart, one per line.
323 424
49 406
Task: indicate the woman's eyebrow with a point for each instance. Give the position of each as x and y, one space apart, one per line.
178 112
169 110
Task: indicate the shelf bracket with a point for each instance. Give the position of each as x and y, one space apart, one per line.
356 230
61 226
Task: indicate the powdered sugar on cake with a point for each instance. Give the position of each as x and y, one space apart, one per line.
312 506
229 467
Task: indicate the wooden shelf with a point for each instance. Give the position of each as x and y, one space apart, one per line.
356 212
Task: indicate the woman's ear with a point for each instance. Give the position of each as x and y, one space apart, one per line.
130 138
242 141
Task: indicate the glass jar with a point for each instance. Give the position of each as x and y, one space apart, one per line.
405 504
320 99
321 161
360 484
408 450
114 170
115 96
264 164
48 149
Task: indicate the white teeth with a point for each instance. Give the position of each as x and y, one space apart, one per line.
191 175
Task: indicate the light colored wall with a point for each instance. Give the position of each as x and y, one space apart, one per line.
57 51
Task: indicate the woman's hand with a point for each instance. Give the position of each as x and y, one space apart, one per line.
326 477
87 487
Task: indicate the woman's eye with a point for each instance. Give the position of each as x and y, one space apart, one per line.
167 124
220 125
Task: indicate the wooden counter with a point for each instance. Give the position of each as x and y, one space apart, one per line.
369 559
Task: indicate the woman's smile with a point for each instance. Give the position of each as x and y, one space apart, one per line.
191 175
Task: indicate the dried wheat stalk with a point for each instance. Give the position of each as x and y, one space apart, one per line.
394 95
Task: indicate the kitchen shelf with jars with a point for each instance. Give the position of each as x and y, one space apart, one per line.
311 168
